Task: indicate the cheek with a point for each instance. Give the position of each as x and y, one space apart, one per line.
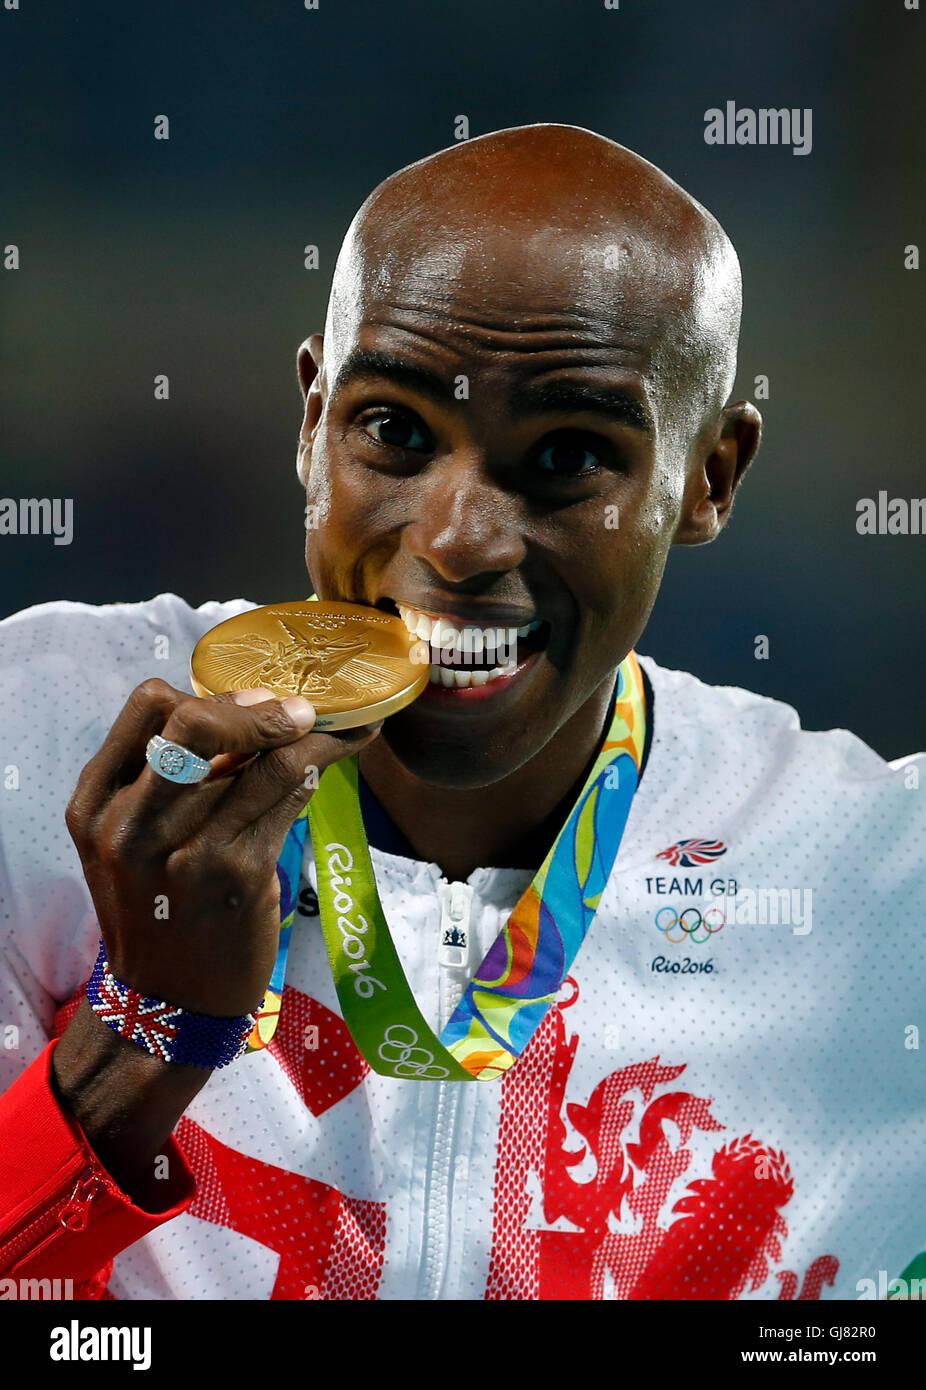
319 492
324 518
348 500
651 529
619 590
629 544
660 507
345 524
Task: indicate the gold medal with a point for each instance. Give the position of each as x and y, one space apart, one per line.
354 664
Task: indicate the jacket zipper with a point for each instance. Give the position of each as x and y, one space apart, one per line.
456 907
71 1213
456 900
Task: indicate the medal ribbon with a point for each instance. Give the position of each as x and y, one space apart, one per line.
524 969
289 869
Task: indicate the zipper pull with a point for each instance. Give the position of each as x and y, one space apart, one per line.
456 901
74 1215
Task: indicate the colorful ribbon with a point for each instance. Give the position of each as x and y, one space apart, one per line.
524 969
289 869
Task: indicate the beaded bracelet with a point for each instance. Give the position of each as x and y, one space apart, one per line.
165 1030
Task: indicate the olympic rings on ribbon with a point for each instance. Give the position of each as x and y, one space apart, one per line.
688 929
405 1058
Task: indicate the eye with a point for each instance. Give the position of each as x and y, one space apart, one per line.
567 456
396 430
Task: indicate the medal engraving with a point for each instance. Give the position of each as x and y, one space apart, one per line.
305 664
352 663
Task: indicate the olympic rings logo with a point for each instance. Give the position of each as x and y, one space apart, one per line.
689 922
399 1050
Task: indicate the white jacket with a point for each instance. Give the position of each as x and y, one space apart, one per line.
738 1117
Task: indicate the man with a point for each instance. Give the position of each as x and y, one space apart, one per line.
520 402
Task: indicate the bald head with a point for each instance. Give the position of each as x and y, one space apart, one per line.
547 217
518 406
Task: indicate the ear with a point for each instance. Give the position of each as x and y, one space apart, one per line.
309 362
712 485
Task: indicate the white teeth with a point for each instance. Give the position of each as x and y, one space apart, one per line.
493 644
474 638
444 634
463 680
500 636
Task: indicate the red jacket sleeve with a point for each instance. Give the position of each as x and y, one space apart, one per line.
61 1213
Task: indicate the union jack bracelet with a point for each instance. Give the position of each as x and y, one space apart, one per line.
165 1030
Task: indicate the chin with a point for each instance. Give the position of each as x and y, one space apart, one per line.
446 762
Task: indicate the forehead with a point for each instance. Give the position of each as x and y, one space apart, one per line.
522 298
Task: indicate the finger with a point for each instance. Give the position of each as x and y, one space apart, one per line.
130 813
240 721
212 726
224 764
227 764
282 787
269 795
205 727
122 754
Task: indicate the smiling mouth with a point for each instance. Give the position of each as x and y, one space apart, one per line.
464 655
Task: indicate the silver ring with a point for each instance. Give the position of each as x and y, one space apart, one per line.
174 762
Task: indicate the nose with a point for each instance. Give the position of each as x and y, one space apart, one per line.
466 523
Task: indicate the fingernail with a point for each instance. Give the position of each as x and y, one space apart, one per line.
252 697
300 711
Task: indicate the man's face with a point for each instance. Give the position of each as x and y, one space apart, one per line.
492 447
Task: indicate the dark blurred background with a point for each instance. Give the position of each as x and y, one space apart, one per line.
185 257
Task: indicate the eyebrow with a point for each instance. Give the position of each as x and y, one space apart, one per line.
562 397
